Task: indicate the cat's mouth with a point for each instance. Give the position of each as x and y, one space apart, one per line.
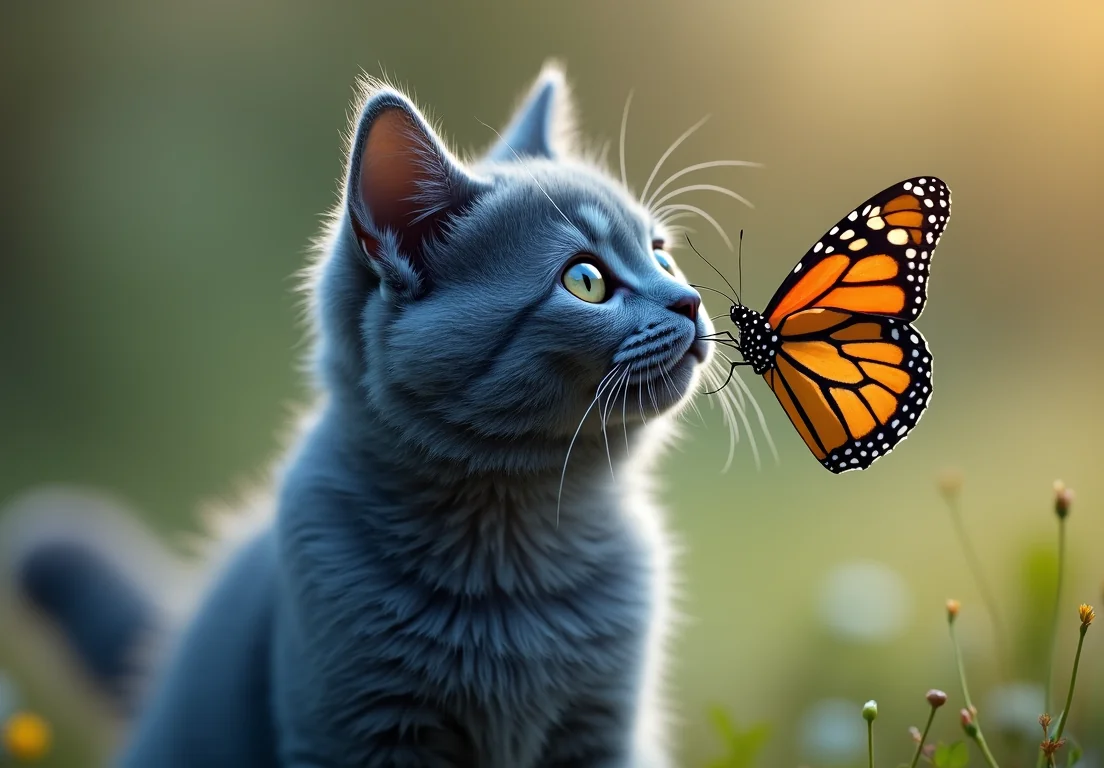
662 356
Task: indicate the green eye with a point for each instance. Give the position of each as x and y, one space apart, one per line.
664 260
586 282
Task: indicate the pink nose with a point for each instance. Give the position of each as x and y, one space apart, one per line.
687 306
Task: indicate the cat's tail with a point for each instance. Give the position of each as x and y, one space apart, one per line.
80 564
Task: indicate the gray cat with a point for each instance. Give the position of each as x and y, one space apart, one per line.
465 566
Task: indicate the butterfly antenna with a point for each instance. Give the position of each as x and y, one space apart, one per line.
707 261
740 263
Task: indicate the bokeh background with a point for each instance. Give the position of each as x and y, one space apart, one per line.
164 166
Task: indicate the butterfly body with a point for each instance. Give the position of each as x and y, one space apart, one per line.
836 344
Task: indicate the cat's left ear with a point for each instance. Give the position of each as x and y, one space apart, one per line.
543 126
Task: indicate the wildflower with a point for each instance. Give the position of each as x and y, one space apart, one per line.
1063 498
936 698
1050 746
870 711
26 736
1087 614
953 607
1044 720
914 732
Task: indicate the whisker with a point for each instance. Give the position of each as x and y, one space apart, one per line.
704 188
605 415
759 415
563 473
698 167
738 399
698 211
675 145
624 126
730 421
624 415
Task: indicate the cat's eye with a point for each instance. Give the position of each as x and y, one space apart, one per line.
585 281
664 260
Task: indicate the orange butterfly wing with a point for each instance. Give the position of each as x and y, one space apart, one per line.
854 386
851 373
876 260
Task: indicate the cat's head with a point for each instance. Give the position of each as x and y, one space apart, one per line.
482 308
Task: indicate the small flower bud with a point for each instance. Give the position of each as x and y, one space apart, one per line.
950 484
870 711
953 607
936 698
967 721
914 732
1044 720
1087 615
1063 498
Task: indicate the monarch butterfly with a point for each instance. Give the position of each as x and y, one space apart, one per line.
836 344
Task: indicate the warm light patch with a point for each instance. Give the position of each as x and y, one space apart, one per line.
855 413
871 269
885 353
894 378
847 235
876 222
897 236
811 321
881 401
823 359
858 245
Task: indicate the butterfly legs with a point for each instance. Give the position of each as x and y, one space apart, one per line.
732 366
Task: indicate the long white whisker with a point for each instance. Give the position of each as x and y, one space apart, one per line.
696 210
611 396
624 415
759 415
675 145
624 126
704 188
738 399
729 417
563 474
697 167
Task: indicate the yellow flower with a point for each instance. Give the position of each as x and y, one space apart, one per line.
27 736
1087 614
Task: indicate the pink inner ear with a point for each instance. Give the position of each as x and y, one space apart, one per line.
396 170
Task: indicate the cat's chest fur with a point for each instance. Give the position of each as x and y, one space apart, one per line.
467 613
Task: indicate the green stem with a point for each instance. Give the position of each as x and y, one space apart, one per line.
1073 682
1054 619
987 597
1054 625
870 741
923 738
979 737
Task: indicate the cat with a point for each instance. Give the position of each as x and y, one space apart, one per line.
464 566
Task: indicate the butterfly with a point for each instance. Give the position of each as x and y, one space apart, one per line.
836 344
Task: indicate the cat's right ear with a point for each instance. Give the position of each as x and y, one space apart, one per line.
543 125
403 186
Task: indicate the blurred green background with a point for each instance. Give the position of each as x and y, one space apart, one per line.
166 164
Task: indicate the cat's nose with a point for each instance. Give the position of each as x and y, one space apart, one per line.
687 306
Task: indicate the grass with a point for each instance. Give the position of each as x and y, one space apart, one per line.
1054 748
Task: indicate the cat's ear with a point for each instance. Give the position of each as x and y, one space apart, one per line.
543 126
403 186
